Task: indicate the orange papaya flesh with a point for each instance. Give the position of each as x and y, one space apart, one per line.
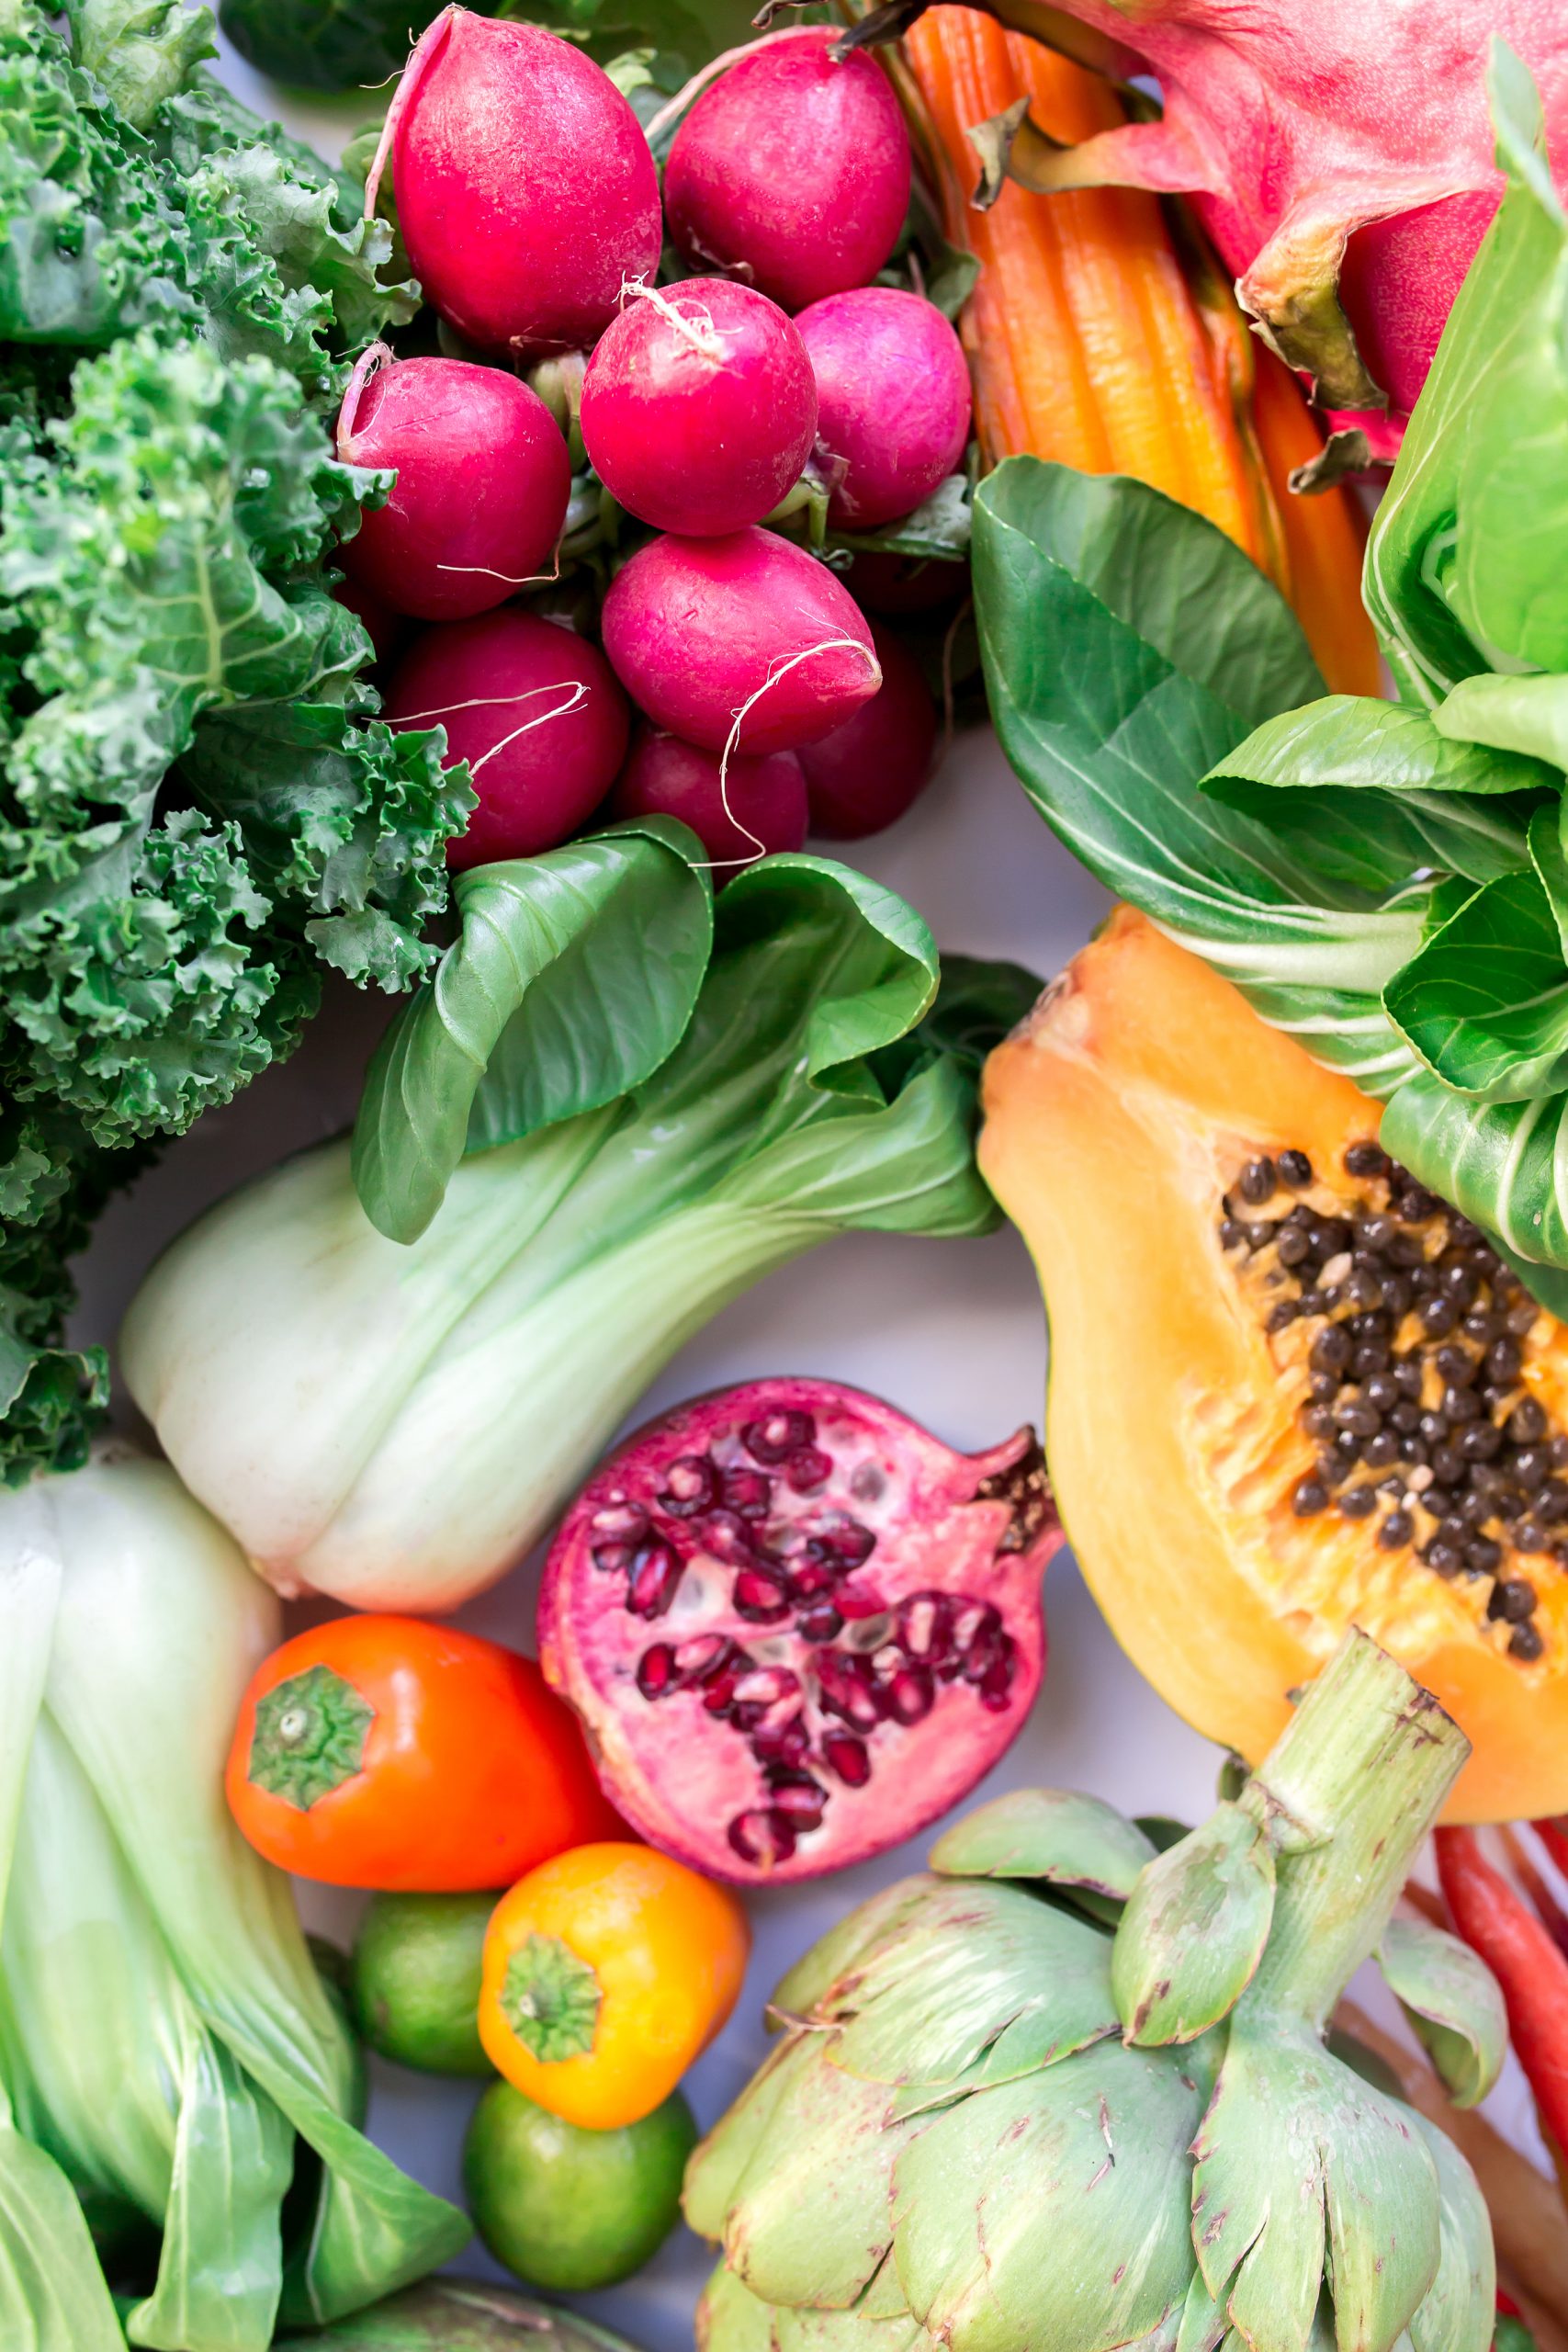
1224 1427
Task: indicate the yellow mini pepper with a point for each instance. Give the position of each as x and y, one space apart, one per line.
606 1971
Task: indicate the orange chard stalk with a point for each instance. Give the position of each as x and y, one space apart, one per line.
1101 335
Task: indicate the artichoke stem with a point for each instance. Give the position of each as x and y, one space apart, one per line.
1347 1794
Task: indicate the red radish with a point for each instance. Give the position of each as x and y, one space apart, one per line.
698 407
892 401
740 812
385 628
536 714
867 772
526 192
791 172
483 479
740 643
796 1626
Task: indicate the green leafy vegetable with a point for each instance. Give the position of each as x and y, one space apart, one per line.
1129 650
451 2315
200 807
167 2051
372 1414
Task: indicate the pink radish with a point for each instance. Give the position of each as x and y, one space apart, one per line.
698 407
536 714
791 172
892 401
740 812
527 191
740 643
867 772
484 478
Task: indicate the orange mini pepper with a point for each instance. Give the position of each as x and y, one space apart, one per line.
606 1971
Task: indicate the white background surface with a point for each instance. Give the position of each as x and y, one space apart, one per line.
953 1332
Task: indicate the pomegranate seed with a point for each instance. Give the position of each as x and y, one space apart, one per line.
911 1695
848 1541
988 1645
808 1467
801 1802
728 1538
656 1573
718 1692
848 1757
997 1687
614 1558
766 1684
703 1656
949 1669
772 1440
887 1661
625 1520
853 1600
691 1484
763 1837
757 1597
810 1577
783 1744
656 1671
845 1685
747 1493
925 1626
969 1621
821 1622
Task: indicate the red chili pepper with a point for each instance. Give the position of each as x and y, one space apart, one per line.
1526 1962
1553 1836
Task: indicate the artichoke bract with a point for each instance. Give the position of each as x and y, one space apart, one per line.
1069 2092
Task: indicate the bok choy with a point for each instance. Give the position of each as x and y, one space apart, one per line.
1387 881
175 2083
616 1106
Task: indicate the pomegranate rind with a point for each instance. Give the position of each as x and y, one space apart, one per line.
682 1776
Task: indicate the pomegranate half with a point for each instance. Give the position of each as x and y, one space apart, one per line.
796 1626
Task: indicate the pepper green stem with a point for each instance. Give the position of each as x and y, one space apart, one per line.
550 1998
310 1737
1346 1794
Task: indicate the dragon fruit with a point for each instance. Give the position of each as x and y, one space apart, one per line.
1340 157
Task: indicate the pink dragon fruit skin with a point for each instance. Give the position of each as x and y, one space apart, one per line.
1317 134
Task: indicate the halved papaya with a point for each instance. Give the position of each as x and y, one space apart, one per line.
1289 1390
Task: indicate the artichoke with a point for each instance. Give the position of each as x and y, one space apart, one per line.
1070 2091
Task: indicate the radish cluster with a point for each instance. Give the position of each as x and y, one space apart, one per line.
741 687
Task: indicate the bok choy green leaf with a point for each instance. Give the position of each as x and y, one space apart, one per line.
616 1104
167 2051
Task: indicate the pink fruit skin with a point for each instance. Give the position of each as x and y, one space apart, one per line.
1295 127
664 777
695 628
791 171
691 1780
699 429
892 401
483 479
507 675
869 771
526 189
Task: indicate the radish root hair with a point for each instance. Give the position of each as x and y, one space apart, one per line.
419 58
694 327
378 355
777 670
577 693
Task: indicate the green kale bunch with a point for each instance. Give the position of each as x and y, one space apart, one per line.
199 809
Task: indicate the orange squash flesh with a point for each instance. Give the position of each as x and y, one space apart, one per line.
1115 1120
